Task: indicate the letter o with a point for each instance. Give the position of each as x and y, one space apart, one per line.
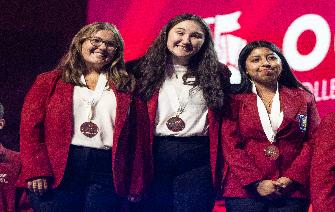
320 28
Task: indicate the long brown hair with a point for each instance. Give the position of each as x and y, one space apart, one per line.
73 66
210 75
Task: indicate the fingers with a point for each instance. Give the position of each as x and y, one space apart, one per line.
284 181
267 188
276 183
38 186
133 199
282 184
30 185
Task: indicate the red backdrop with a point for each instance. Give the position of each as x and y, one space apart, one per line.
303 29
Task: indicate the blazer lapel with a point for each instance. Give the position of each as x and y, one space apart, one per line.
66 106
152 109
290 104
249 115
123 100
214 121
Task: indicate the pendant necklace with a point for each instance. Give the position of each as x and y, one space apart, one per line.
89 128
175 123
271 151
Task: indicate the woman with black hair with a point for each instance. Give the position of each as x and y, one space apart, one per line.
267 139
184 85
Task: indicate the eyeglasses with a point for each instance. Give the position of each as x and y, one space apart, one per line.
96 41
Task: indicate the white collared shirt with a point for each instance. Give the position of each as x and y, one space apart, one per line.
104 117
270 122
173 93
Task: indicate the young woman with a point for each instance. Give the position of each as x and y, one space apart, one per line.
79 148
267 139
184 86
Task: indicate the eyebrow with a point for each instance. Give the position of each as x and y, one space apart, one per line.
112 40
257 55
199 32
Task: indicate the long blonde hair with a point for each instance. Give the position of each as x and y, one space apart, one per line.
73 66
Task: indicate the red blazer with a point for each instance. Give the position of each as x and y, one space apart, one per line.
47 128
11 198
323 167
244 141
214 119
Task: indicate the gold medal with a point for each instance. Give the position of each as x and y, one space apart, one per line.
89 129
175 124
272 152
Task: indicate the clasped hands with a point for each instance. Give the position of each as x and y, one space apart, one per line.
268 188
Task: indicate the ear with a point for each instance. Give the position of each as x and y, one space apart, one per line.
2 123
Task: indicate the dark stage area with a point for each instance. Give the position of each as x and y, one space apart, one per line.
34 36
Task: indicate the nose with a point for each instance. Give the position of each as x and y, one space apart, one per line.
186 39
266 62
103 44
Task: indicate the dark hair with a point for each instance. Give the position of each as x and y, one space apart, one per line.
2 111
286 77
73 66
210 75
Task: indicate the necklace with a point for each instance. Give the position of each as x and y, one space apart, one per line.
265 109
176 123
267 104
89 128
271 151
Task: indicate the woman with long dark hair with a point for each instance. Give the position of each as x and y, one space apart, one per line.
80 146
185 87
267 139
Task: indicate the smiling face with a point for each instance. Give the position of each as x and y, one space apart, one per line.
185 40
263 66
98 49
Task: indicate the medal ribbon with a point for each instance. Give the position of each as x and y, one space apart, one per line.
270 122
93 99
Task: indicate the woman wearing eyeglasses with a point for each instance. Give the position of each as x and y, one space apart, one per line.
78 135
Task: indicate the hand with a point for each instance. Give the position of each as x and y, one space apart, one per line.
284 182
134 199
267 187
39 185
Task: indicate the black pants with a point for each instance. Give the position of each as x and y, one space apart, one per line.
182 180
266 205
87 184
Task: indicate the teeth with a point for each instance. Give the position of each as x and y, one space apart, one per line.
184 48
100 54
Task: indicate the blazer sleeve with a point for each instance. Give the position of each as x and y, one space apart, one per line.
142 165
323 167
301 165
239 163
34 154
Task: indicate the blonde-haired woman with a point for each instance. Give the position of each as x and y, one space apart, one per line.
77 140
